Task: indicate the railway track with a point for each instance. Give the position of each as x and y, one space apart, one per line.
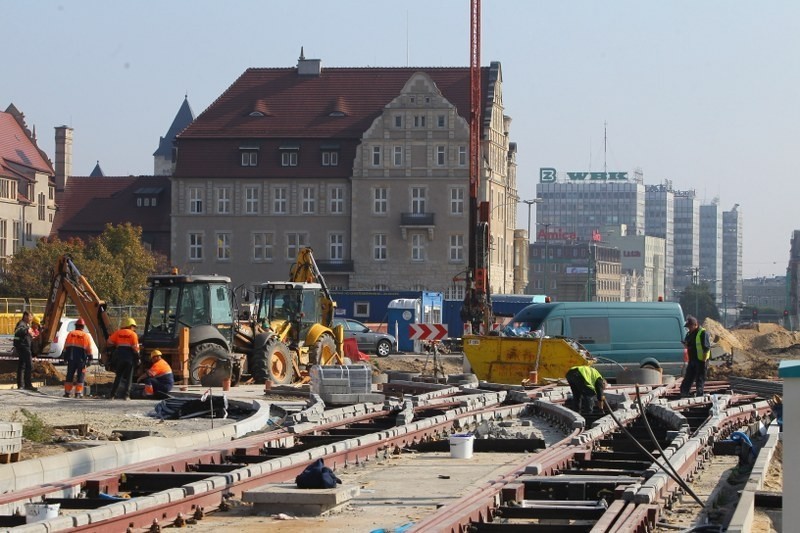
595 479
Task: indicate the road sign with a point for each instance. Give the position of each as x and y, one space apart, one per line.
427 332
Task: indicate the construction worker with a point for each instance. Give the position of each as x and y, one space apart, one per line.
23 344
77 353
124 359
586 384
698 347
158 378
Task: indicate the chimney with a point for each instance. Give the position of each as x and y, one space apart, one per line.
308 67
63 166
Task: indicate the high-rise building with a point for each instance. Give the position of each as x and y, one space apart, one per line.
732 258
659 221
711 248
687 239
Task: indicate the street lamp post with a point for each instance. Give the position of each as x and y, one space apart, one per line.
530 203
546 252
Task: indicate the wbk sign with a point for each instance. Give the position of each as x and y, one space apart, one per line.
427 332
549 175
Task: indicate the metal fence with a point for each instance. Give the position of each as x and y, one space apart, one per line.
11 311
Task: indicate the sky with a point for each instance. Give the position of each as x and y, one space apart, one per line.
700 92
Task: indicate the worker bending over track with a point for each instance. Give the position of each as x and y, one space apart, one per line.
586 384
157 379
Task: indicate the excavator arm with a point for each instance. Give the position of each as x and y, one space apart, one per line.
69 283
305 270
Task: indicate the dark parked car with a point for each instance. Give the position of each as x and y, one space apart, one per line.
368 341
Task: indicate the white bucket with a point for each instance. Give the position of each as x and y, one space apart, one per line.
461 446
39 512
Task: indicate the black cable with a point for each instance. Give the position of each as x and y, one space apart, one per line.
678 480
660 449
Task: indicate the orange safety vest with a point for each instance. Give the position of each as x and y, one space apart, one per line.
125 338
78 341
159 368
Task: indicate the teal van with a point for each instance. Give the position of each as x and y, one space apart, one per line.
617 333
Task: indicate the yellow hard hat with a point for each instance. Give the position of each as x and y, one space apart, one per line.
128 322
155 353
35 321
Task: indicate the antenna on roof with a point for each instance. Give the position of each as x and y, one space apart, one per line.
302 55
406 37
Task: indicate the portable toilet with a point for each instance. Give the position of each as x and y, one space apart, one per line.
401 313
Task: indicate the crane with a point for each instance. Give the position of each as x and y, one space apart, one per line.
476 309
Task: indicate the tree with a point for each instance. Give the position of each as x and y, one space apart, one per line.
116 263
697 300
30 271
120 263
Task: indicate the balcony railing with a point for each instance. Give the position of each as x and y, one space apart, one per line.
416 219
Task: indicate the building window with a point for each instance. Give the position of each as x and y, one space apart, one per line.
398 156
336 246
376 156
195 246
417 247
41 206
280 200
398 121
249 158
440 155
252 200
380 205
8 189
28 231
418 200
419 121
3 238
153 202
440 121
294 243
16 228
263 243
289 158
195 200
457 201
223 246
379 251
51 193
309 200
223 195
330 159
456 248
462 156
336 200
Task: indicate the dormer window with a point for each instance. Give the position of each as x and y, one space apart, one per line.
289 154
336 114
256 114
147 196
249 155
330 154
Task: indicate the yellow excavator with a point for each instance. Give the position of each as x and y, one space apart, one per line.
292 328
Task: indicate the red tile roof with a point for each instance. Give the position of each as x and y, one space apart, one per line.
89 203
17 151
300 108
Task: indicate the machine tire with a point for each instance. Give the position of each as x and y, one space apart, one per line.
324 351
271 361
384 348
205 360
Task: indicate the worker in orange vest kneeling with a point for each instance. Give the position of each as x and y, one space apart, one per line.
158 378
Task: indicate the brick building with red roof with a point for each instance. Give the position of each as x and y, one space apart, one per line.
369 166
27 186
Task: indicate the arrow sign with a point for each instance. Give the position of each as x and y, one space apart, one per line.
427 332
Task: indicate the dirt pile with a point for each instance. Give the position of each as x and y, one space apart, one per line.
756 348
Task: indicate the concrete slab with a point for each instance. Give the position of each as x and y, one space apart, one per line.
287 498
